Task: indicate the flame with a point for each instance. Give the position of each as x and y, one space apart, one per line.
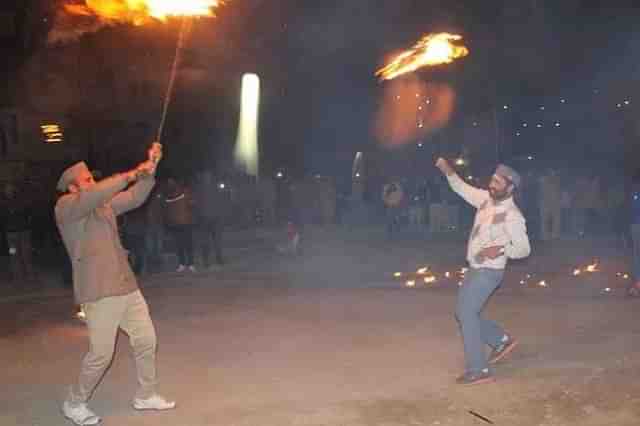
141 11
593 267
410 283
431 49
397 274
430 279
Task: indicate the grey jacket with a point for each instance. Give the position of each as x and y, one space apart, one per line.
87 223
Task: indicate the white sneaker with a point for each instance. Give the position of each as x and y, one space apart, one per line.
80 414
155 402
192 268
181 268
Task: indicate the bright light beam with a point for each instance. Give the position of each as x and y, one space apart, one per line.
246 150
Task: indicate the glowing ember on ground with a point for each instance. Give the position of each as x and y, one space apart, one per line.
423 270
523 282
625 276
397 274
543 284
430 279
576 272
607 290
432 49
447 274
593 267
410 283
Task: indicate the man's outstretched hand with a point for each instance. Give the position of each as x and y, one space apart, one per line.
444 166
155 152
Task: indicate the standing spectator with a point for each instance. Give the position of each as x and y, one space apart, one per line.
4 244
634 288
180 221
550 209
394 199
615 210
565 207
155 229
18 230
211 208
581 203
267 193
135 231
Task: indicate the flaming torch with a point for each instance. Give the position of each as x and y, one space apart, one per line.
138 12
430 50
81 16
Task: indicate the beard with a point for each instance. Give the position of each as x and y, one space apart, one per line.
498 195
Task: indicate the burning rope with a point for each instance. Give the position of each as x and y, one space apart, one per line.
184 30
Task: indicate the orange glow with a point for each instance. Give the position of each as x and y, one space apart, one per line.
140 11
430 50
397 121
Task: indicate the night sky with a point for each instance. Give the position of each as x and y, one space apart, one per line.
577 59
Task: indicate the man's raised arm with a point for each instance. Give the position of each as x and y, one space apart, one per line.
471 194
75 206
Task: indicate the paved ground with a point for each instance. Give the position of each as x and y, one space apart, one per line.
332 338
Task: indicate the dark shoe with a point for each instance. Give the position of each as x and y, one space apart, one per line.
475 378
502 350
634 290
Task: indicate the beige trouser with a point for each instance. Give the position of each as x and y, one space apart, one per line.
131 313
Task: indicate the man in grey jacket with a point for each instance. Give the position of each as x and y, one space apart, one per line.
103 281
499 233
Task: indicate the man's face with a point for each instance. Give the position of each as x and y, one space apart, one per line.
499 188
82 182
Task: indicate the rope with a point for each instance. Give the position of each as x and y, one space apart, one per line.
184 30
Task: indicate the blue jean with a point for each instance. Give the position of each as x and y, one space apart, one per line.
477 287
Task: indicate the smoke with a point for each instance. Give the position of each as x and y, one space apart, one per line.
72 21
412 109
